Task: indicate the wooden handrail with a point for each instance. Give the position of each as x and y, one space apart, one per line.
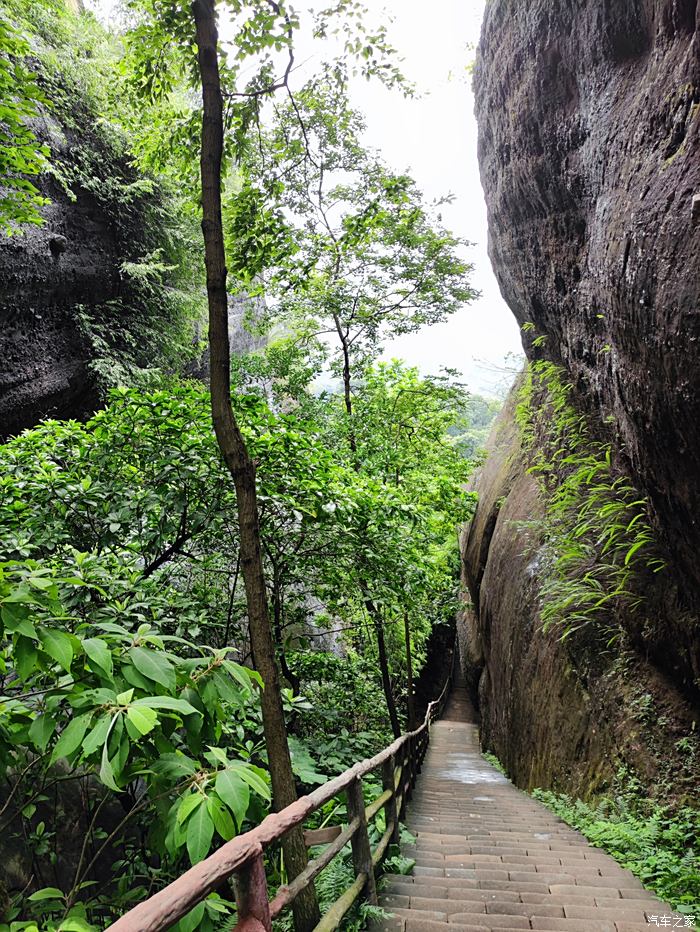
243 856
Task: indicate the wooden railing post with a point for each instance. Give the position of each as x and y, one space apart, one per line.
361 850
402 783
411 767
251 895
390 813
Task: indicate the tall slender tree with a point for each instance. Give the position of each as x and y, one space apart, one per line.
235 453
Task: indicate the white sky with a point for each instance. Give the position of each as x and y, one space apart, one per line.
433 137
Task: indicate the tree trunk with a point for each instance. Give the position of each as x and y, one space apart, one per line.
235 453
347 387
287 673
410 701
384 667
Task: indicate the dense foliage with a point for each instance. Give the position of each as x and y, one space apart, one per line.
22 157
122 614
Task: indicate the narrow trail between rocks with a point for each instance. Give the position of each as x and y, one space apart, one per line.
490 857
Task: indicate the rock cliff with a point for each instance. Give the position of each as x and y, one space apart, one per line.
48 274
589 132
589 146
78 307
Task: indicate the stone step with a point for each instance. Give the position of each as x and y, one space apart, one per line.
489 857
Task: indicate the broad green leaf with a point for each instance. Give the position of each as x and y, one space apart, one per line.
99 654
215 905
200 831
239 673
219 754
41 730
175 765
47 893
58 645
132 676
25 656
119 759
167 702
234 792
76 924
188 805
223 823
71 737
107 771
154 666
224 687
16 620
97 737
125 697
144 719
254 780
191 921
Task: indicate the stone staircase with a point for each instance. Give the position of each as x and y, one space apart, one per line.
488 857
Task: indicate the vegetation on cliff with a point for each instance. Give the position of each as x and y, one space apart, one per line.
79 148
597 533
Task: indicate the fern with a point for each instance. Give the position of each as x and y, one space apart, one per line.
660 846
597 533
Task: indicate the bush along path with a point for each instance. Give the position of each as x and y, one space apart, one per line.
490 857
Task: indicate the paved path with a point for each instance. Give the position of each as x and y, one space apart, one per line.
490 857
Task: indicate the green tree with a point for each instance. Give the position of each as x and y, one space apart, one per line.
370 260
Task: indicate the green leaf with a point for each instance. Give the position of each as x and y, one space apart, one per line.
97 737
234 792
175 766
633 549
16 619
200 831
255 781
41 730
132 676
125 697
58 645
99 654
71 737
106 769
188 805
76 924
25 656
191 921
223 823
239 673
154 666
167 702
144 719
47 893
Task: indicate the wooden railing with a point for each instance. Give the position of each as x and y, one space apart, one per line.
242 857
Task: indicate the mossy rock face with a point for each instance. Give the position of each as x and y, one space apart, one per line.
566 715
